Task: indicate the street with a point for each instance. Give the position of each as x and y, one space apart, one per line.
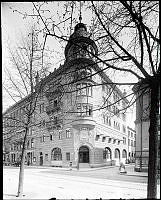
47 182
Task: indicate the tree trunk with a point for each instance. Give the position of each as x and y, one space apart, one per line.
21 173
153 142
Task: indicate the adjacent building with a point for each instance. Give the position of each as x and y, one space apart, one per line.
142 128
79 115
131 144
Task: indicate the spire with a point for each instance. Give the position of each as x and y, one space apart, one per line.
80 16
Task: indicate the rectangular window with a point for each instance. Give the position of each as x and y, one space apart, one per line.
68 133
42 108
51 137
60 135
97 137
129 133
46 157
134 143
78 88
124 140
123 128
129 142
32 143
68 156
84 109
103 139
89 91
79 109
84 89
103 87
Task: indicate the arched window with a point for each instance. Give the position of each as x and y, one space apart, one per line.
117 153
56 154
107 154
124 154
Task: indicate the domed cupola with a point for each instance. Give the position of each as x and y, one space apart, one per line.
80 45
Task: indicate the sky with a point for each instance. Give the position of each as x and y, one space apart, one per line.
13 26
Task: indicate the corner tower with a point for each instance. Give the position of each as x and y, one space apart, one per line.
80 45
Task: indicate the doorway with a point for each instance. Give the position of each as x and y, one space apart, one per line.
41 158
83 154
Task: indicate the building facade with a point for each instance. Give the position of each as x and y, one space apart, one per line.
76 118
131 144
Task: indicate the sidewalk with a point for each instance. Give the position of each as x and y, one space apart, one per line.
129 172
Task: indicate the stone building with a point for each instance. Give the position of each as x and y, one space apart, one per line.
131 144
76 118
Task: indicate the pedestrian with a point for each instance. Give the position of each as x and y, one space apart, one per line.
70 165
78 165
122 168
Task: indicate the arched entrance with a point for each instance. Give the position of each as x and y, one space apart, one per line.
83 154
117 157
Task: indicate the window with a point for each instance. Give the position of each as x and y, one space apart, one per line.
42 108
84 109
56 154
84 89
124 140
124 128
60 135
46 157
55 103
131 134
103 87
132 143
109 140
97 137
67 156
103 139
42 138
123 116
32 142
51 137
68 133
124 154
117 153
107 153
28 144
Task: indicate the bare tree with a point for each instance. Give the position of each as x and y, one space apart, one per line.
22 86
